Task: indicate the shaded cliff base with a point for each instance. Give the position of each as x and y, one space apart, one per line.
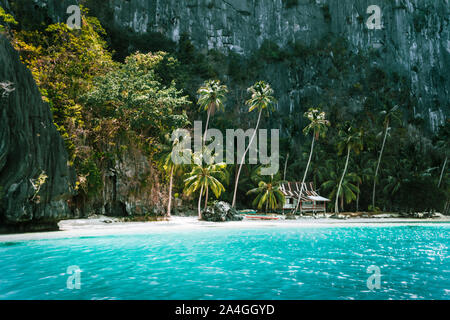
29 226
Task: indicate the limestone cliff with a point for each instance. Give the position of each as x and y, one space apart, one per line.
35 181
415 34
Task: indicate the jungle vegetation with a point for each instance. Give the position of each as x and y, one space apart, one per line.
107 99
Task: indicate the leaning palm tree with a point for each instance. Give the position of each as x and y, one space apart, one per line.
212 96
268 194
166 162
318 126
351 140
389 115
204 177
261 99
350 187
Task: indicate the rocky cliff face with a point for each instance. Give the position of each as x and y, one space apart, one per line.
131 187
35 180
414 39
415 34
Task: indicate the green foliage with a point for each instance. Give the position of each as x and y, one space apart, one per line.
104 108
6 20
135 95
262 97
270 51
351 139
318 124
349 188
37 185
268 194
100 106
89 177
208 177
63 63
212 96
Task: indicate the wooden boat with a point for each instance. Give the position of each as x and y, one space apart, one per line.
254 217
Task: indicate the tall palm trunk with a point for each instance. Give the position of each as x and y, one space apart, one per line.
285 167
169 205
207 124
336 205
305 175
243 159
442 172
200 203
378 166
206 197
357 199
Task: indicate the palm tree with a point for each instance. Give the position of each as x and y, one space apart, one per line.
212 96
268 194
397 174
351 140
169 167
319 127
261 99
364 167
350 189
204 177
389 115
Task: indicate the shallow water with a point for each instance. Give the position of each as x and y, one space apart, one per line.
223 263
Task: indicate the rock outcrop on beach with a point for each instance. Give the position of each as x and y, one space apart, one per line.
35 180
221 212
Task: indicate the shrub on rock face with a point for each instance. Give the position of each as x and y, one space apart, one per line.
221 212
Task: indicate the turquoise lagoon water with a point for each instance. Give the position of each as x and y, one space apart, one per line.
230 263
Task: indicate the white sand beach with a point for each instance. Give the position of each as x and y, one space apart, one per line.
103 226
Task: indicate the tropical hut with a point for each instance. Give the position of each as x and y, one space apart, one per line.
310 201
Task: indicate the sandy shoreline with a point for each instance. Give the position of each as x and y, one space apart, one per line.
98 226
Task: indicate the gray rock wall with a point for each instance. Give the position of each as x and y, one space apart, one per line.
30 146
415 37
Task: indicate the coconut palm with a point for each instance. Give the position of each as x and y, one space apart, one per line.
211 99
318 126
205 177
166 162
349 185
261 99
268 194
389 116
397 174
351 141
364 170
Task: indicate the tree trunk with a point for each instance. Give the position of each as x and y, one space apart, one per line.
206 197
336 205
305 175
243 159
206 128
285 167
357 199
442 172
378 166
199 204
169 205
